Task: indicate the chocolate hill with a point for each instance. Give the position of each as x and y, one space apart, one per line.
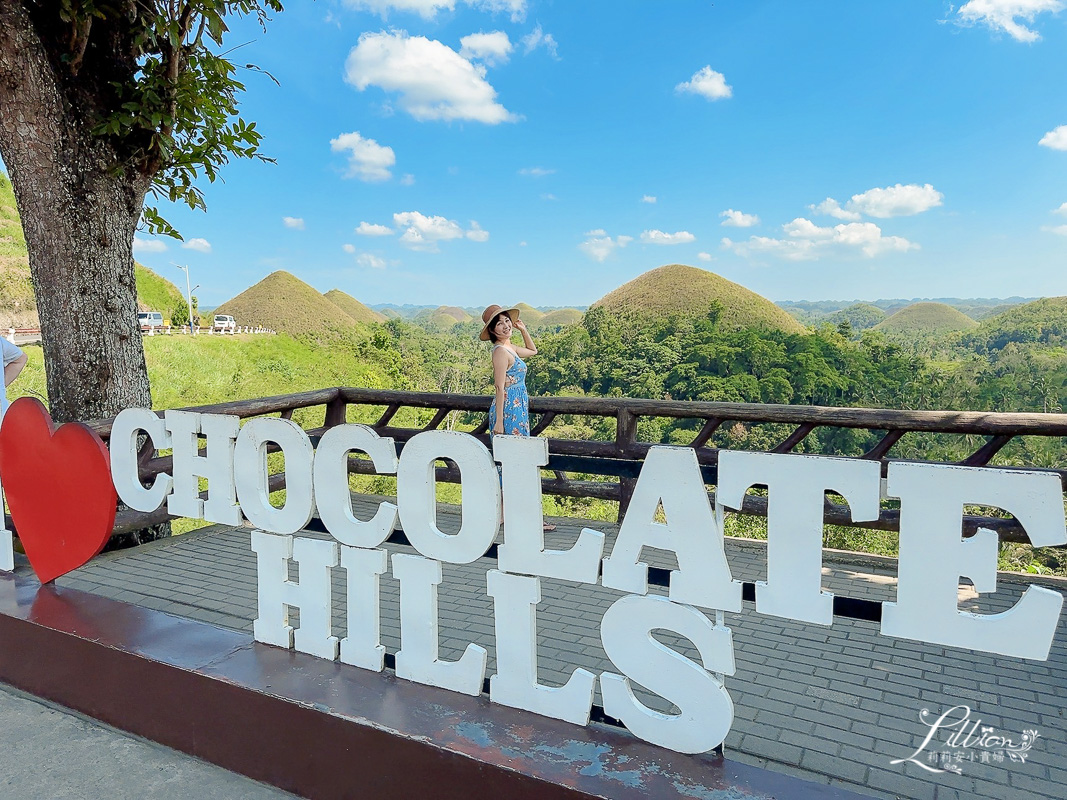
690 292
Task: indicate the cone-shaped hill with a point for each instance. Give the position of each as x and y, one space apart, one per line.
351 306
560 317
920 318
530 315
1043 321
457 313
285 303
690 292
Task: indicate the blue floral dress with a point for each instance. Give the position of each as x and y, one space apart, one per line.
516 401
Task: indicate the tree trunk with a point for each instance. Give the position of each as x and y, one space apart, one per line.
79 210
79 207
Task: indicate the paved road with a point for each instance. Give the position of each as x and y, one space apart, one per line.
831 704
50 753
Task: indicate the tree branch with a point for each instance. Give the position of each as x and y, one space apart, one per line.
78 42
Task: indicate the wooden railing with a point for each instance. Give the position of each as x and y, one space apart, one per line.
620 457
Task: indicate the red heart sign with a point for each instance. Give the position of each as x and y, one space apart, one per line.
58 486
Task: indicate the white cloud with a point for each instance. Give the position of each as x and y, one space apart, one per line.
371 229
1060 230
492 48
348 248
367 160
1007 15
296 223
707 83
705 256
659 237
807 241
1055 138
199 245
408 180
433 80
427 9
548 196
425 233
801 228
516 8
369 260
538 38
536 172
648 199
832 208
149 245
477 234
737 219
895 201
598 245
1061 210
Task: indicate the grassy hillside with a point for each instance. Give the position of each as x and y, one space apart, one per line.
530 315
1042 321
284 303
240 367
691 292
18 308
351 306
926 318
560 317
457 313
156 293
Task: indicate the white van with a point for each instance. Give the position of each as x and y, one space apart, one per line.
149 320
224 323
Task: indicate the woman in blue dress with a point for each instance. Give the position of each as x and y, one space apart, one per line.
509 413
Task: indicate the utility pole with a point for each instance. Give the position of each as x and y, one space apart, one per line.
188 297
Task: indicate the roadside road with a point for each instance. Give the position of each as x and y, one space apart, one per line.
52 753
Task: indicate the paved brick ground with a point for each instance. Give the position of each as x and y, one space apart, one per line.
832 704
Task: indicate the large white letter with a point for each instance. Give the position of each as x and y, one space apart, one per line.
124 468
523 550
216 466
515 600
252 479
671 476
277 594
415 483
706 710
362 646
333 496
417 658
934 556
796 488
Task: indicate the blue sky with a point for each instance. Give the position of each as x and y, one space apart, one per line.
475 151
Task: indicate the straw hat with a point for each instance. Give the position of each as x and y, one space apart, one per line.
490 313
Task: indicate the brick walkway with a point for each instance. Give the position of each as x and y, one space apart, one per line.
833 704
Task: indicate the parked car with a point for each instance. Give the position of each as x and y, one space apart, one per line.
150 320
224 323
